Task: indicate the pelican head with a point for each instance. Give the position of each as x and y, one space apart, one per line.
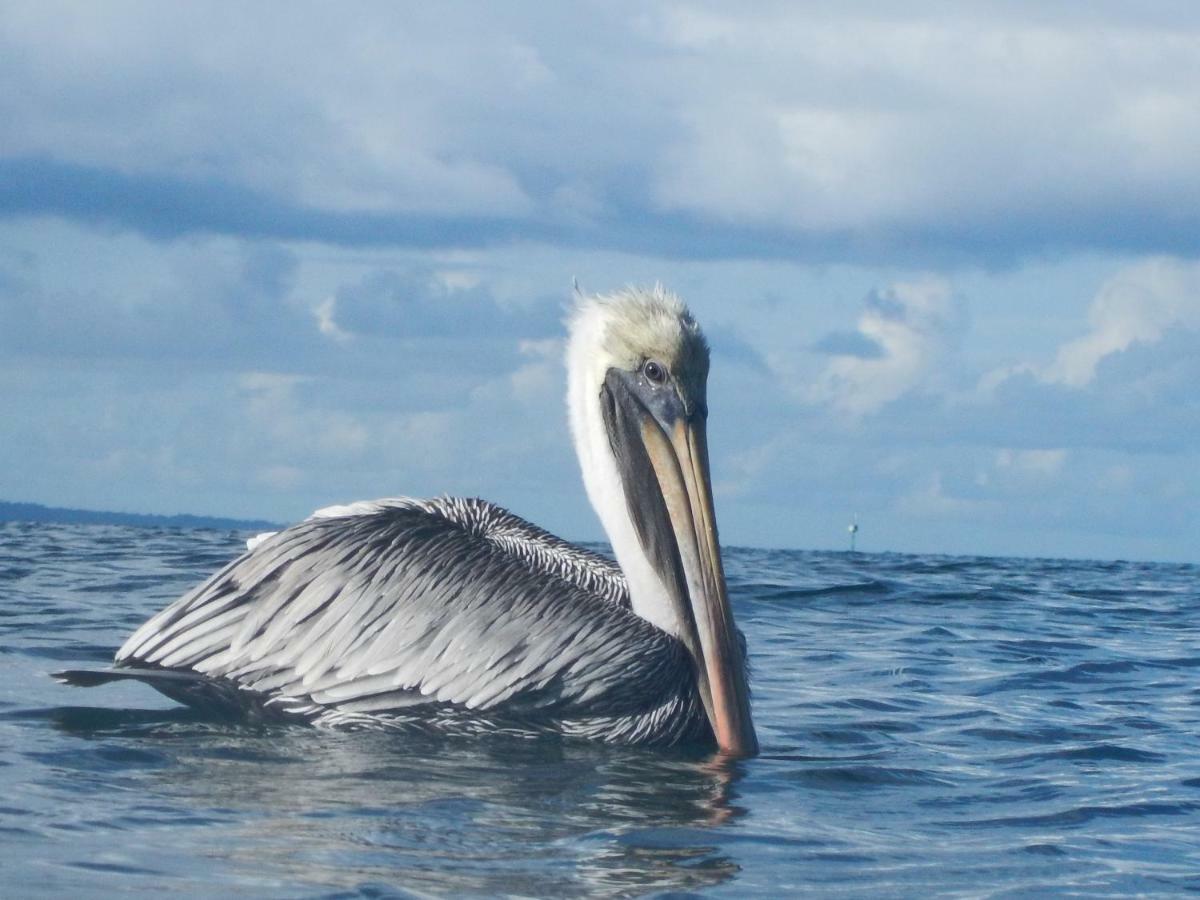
637 367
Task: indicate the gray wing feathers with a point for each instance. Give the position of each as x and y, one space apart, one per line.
409 603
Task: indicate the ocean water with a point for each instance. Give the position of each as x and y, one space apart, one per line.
930 726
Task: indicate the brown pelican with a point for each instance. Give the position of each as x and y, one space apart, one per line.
456 615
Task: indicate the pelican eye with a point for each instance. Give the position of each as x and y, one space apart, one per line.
655 371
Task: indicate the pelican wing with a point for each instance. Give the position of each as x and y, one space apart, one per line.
389 609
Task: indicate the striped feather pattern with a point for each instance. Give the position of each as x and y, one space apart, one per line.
449 614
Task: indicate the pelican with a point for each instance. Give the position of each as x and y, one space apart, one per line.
455 615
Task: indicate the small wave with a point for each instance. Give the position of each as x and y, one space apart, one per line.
122 585
840 736
1039 645
939 631
1178 662
88 653
102 758
1081 815
1093 753
857 777
1044 849
871 704
1031 735
114 868
1080 673
776 593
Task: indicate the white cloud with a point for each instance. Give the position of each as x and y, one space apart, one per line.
541 376
280 478
878 120
289 429
325 313
1140 304
915 325
862 128
1032 463
930 500
344 112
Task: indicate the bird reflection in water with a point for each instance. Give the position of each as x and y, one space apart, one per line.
431 814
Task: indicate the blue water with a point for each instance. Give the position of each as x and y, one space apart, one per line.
930 725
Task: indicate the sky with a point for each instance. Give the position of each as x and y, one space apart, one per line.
259 259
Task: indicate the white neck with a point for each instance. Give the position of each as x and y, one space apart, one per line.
586 370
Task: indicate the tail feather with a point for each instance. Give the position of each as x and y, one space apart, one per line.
211 695
94 677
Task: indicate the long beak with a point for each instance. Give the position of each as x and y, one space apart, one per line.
680 462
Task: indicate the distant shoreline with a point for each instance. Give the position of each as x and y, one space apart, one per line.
36 512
